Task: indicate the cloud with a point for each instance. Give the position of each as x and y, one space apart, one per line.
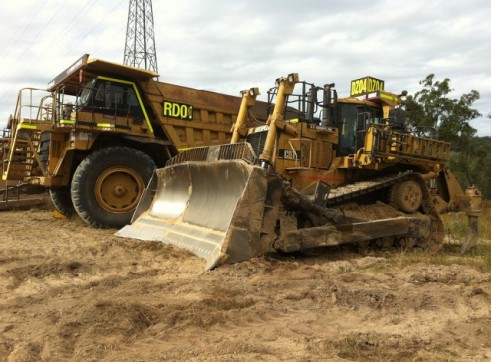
228 46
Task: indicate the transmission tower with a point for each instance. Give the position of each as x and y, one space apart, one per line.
139 50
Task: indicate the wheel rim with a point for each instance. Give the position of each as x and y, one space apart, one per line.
118 189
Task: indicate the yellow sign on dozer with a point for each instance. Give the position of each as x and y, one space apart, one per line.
213 210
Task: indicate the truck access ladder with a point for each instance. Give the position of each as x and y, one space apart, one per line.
23 134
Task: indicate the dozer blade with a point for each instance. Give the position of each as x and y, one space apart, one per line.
213 209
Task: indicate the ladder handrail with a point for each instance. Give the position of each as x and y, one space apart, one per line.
42 108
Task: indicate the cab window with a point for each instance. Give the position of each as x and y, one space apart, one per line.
347 129
111 98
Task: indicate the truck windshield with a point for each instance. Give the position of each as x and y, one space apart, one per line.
111 98
87 90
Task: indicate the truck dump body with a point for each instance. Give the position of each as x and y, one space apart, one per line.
206 120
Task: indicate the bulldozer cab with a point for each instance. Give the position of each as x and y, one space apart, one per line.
353 121
320 107
368 105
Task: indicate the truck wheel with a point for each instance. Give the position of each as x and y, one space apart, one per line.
62 200
406 196
108 184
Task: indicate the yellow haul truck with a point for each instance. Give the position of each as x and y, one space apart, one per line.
97 133
321 171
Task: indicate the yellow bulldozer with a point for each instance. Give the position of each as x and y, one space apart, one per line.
321 171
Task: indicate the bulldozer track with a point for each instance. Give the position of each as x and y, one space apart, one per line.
351 192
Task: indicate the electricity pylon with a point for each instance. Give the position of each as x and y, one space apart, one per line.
139 50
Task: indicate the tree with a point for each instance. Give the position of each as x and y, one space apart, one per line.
473 167
432 112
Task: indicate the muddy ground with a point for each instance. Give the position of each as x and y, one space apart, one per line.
70 292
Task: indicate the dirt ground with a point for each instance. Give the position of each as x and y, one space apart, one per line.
70 292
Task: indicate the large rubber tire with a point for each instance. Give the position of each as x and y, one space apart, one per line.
108 184
62 200
406 196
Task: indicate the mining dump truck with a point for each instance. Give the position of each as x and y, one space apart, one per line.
96 134
321 171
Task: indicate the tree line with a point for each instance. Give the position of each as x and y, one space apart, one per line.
432 112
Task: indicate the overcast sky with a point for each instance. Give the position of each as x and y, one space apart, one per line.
226 46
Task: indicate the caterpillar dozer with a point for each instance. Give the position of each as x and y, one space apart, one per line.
95 135
321 171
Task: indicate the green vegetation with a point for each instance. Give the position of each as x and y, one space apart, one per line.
432 110
456 228
433 113
472 166
456 223
479 257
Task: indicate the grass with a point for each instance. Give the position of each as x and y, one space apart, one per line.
456 223
479 257
456 228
